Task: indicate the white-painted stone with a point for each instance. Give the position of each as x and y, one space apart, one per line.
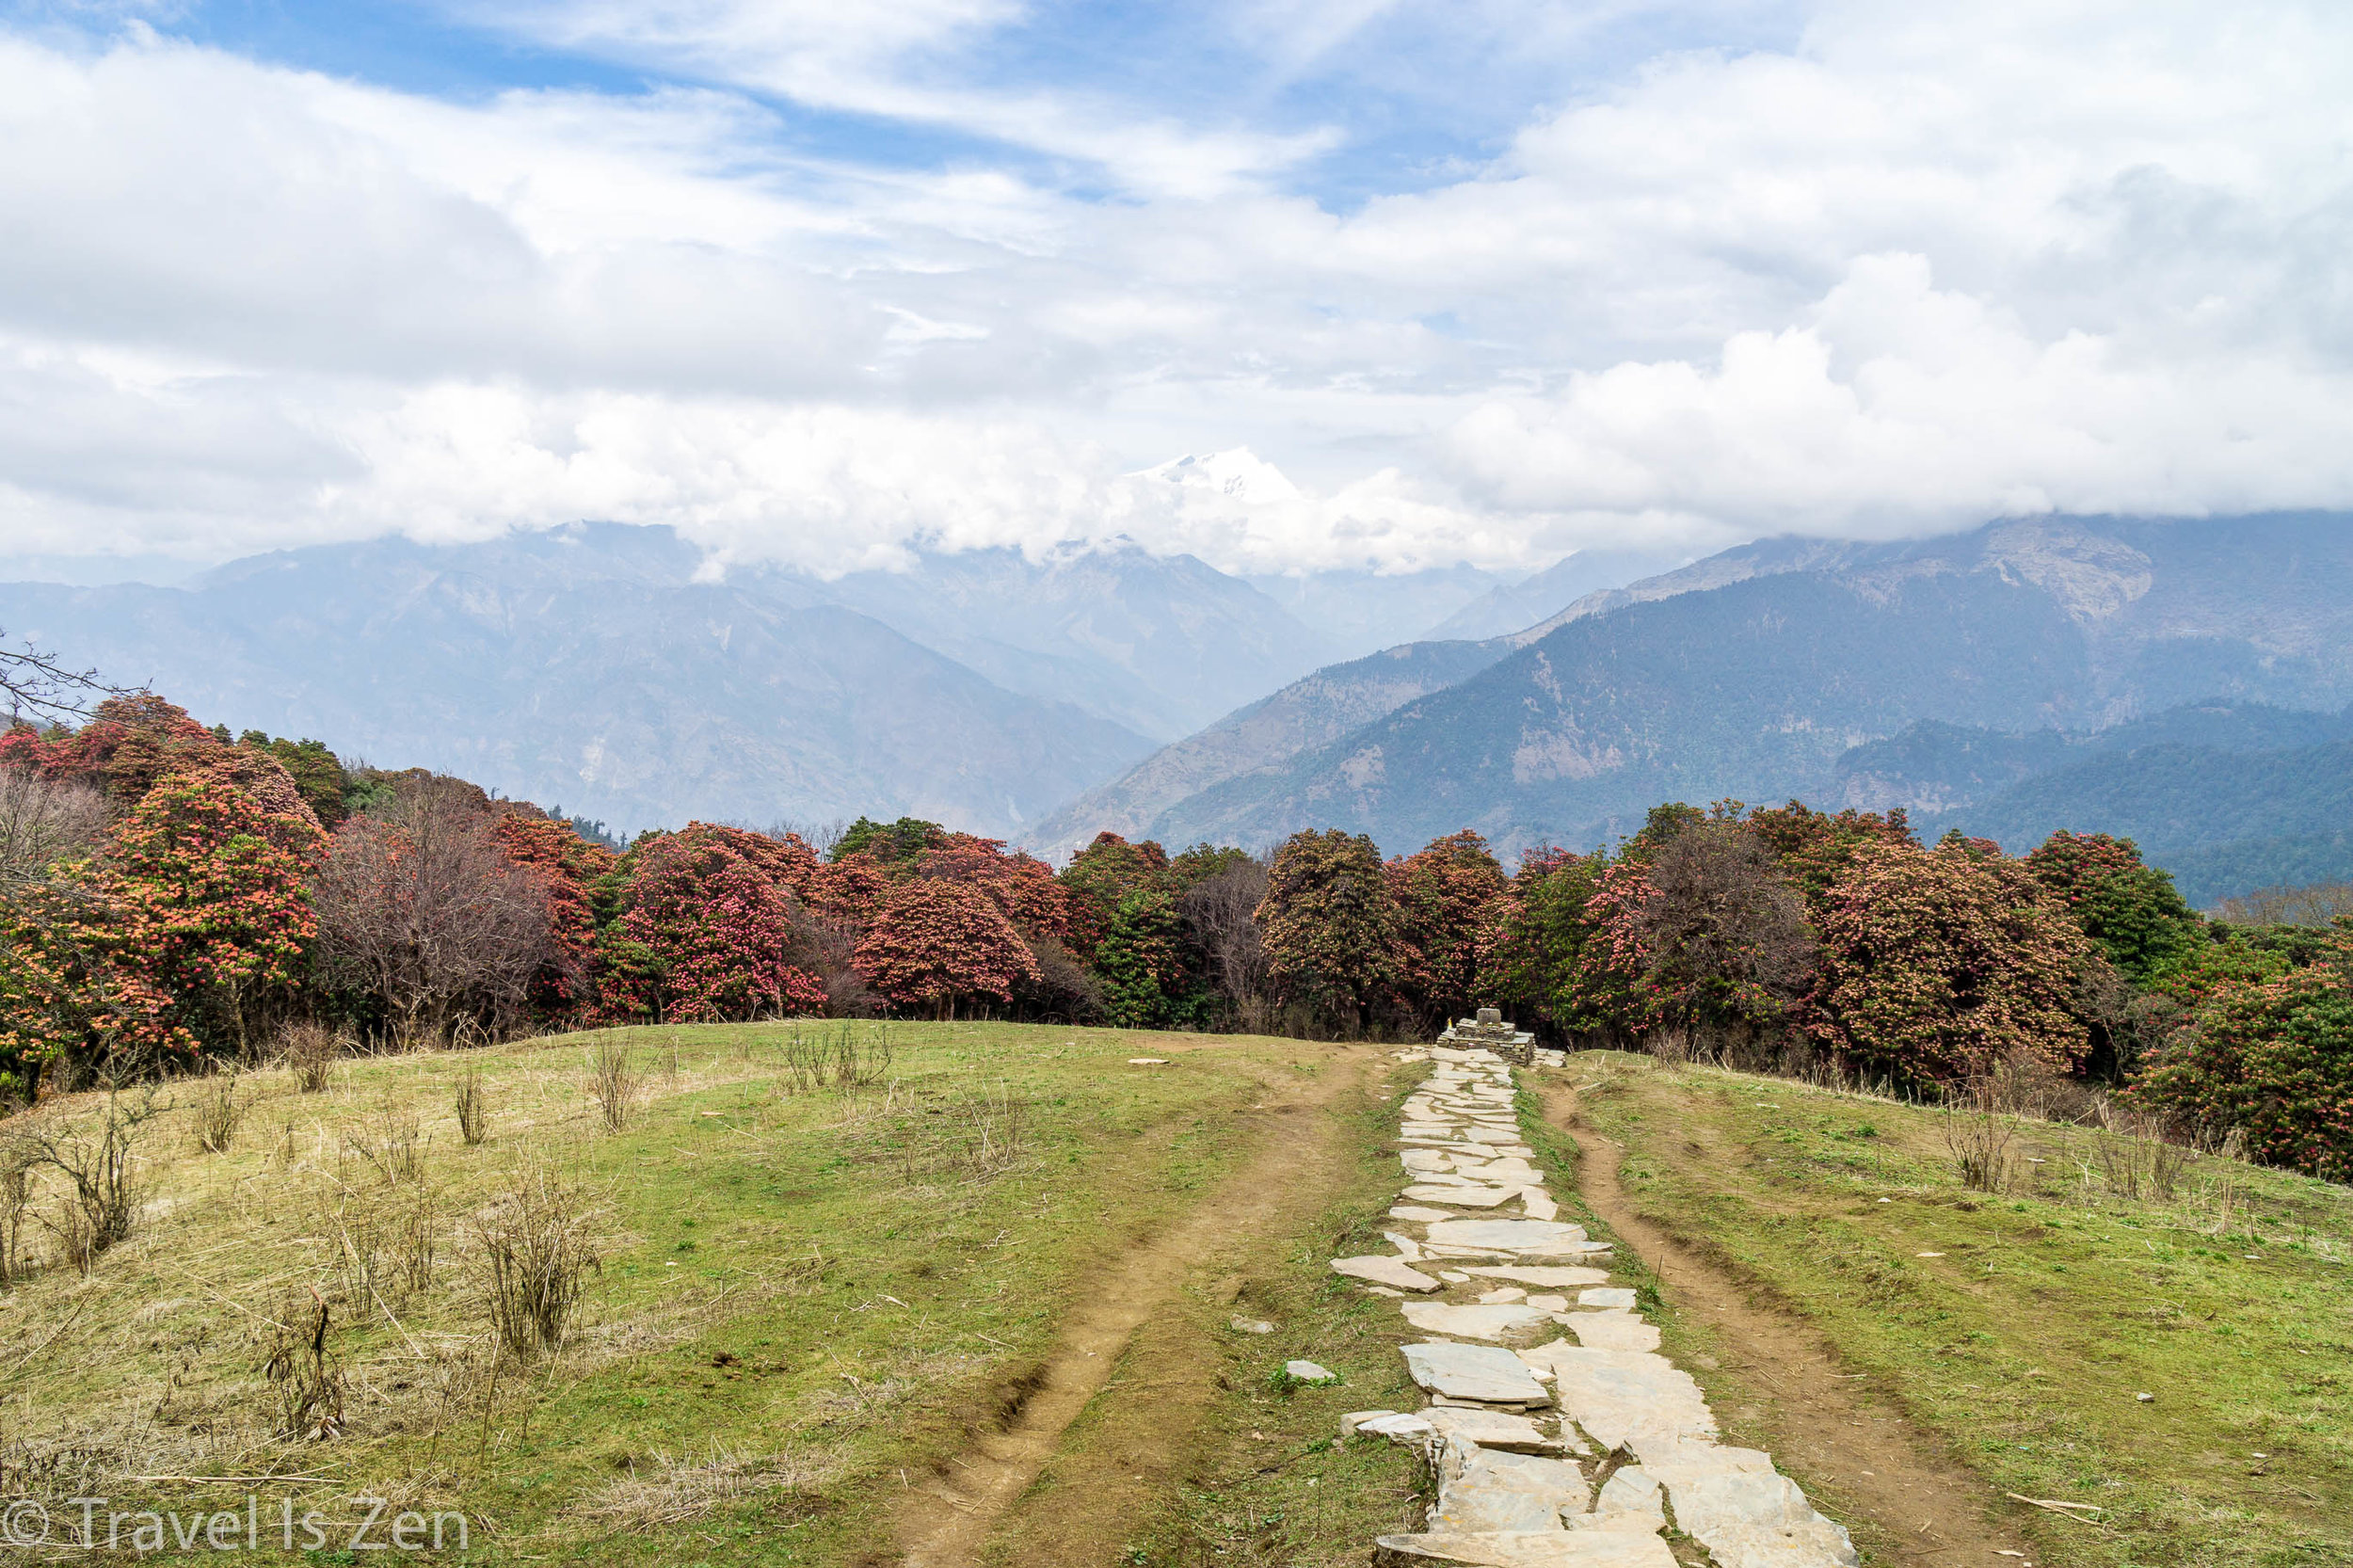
1393 1271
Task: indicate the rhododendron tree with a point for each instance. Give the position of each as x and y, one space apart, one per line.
2271 1059
2131 909
937 942
201 890
1943 964
1449 897
568 867
1141 962
1100 876
706 931
1331 927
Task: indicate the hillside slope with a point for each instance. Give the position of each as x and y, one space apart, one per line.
1752 673
1307 713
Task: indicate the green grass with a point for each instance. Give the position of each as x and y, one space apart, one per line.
2052 1307
801 1296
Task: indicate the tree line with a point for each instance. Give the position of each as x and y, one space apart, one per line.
170 894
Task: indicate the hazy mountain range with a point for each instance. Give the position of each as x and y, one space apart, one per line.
611 670
2184 681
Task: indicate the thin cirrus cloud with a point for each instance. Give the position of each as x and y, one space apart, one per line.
821 285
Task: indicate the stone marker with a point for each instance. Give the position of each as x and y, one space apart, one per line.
1476 1322
1392 1272
1486 1372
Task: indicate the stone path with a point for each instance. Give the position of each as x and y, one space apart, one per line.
1550 1451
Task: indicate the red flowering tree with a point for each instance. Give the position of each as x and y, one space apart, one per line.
937 941
706 931
1331 928
568 867
1448 898
2271 1059
1941 964
199 893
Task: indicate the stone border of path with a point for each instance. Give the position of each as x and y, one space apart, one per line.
1548 1451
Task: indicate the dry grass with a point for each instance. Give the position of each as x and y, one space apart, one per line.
309 1051
474 1106
661 1491
300 1363
537 1246
613 1082
1977 1133
218 1113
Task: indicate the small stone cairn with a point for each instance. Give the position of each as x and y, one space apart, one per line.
1549 1450
1488 1032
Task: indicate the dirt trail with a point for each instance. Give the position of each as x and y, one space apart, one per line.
1859 1460
947 1523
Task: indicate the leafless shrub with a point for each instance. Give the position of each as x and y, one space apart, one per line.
2316 905
393 1143
612 1080
43 820
1721 911
218 1112
354 1227
421 908
861 1058
822 945
994 1120
474 1106
2136 1159
1671 1045
416 1236
299 1361
16 1196
1978 1133
105 1188
309 1051
1222 912
803 1059
536 1247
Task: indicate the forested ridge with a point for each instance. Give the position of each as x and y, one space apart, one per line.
177 897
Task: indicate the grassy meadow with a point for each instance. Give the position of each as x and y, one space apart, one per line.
804 1295
2020 1327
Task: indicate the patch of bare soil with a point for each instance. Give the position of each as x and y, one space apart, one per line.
1859 1461
1100 1492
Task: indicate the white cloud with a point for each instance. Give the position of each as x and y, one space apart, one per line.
1910 270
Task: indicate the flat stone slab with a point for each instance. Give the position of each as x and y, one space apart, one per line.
1418 1215
1749 1516
1513 1236
1480 1491
1627 1397
1524 1549
1537 1204
1502 1320
1465 1197
1558 1276
1485 1372
1491 1429
1397 1428
1393 1271
1604 1296
1307 1372
1610 1330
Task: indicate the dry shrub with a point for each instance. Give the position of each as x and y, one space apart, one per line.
2136 1158
613 1082
218 1113
299 1361
105 1188
394 1145
309 1050
1670 1046
16 1196
1978 1134
846 1056
536 1246
474 1106
672 1492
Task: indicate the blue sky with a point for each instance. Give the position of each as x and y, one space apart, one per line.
1418 283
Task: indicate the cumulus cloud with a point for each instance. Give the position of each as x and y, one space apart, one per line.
1898 272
